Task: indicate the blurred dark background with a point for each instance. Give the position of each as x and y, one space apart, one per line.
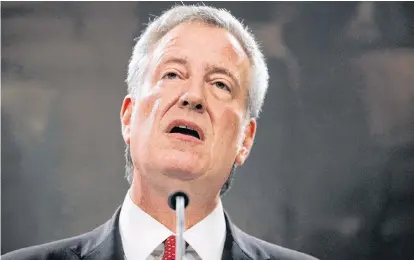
332 170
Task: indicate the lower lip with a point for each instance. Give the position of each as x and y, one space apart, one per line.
187 138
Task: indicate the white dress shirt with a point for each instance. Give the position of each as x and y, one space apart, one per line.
142 236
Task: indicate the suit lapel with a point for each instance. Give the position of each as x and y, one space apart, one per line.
104 243
110 249
238 245
232 251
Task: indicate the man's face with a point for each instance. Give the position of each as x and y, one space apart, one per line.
187 126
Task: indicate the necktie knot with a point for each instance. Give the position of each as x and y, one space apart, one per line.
169 248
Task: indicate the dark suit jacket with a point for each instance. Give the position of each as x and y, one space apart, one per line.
104 243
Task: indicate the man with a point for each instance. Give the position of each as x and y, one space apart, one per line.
196 84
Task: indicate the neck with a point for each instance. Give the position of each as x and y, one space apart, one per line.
155 203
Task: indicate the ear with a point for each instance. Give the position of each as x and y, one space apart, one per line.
126 116
249 134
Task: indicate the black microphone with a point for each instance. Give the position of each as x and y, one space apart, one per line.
172 199
178 201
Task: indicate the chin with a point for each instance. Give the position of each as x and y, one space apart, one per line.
184 167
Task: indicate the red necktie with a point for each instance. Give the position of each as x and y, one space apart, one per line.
169 248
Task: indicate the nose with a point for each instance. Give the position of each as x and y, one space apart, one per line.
193 101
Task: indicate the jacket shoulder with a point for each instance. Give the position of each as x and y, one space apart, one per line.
70 248
61 249
259 247
282 253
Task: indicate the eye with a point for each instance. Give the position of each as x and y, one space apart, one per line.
170 75
222 85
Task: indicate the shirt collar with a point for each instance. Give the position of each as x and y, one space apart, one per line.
207 236
141 233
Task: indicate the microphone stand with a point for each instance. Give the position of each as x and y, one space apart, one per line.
180 218
178 201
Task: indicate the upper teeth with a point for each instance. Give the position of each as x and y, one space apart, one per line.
184 126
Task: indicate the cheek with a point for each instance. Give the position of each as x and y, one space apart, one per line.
229 123
146 107
145 113
148 101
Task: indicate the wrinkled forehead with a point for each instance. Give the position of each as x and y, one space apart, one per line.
201 44
199 34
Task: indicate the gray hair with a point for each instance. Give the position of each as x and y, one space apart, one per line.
220 18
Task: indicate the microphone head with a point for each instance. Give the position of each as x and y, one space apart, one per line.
172 199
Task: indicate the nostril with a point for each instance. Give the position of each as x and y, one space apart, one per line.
199 106
185 102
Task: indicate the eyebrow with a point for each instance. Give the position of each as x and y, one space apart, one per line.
182 61
209 69
222 70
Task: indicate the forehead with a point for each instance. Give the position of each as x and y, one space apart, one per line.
206 42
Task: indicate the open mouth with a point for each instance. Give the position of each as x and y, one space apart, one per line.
186 128
182 129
